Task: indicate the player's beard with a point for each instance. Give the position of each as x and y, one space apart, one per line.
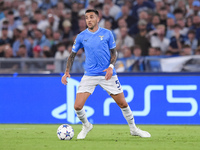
92 27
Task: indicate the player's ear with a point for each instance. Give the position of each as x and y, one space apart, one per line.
98 19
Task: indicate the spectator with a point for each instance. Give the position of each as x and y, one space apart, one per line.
40 40
37 52
101 19
57 38
12 22
188 22
49 34
108 25
158 39
182 5
195 22
192 41
170 27
186 51
178 13
61 53
155 21
60 14
184 29
194 10
33 8
120 23
152 51
170 8
197 51
92 4
82 25
159 5
163 16
106 15
41 22
22 40
128 57
75 18
158 51
177 40
67 35
47 52
141 5
22 52
137 51
196 26
32 28
8 52
46 4
4 39
11 66
78 62
5 24
2 15
21 11
143 15
138 63
52 21
141 38
127 52
125 13
114 9
124 40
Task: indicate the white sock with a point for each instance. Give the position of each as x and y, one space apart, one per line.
128 115
82 116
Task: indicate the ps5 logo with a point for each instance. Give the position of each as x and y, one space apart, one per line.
66 110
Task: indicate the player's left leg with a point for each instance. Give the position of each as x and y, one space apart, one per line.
113 87
128 115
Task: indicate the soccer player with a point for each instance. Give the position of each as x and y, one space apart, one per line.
99 46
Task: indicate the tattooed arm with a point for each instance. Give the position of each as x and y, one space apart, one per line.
70 61
113 58
69 65
113 54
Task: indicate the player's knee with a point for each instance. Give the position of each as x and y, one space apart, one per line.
78 107
123 105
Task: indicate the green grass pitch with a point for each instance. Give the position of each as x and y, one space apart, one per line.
102 137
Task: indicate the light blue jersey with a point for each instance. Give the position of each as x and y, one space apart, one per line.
97 47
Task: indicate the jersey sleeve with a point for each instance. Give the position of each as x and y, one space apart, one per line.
111 42
77 44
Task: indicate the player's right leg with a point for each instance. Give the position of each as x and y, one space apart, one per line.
85 89
81 114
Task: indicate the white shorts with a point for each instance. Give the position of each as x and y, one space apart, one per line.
88 84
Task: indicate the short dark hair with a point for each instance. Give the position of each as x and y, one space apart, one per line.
22 46
186 46
92 10
60 44
191 32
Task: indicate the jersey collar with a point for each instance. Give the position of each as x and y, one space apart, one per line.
95 31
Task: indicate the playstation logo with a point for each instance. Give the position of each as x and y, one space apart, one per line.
66 110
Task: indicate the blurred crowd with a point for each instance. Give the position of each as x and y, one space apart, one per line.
141 28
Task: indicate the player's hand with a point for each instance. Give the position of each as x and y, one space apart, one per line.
109 73
64 78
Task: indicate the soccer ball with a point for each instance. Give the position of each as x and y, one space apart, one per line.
65 132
